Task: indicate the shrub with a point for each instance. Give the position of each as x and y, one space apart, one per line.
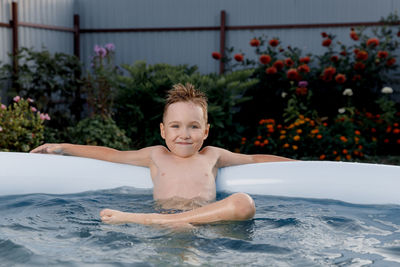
53 81
21 126
99 131
140 101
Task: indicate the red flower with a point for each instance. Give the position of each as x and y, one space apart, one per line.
398 34
273 42
216 55
373 42
279 64
301 91
303 68
343 53
390 62
357 77
340 78
383 54
255 42
289 62
326 42
239 57
356 51
324 34
362 55
292 74
334 59
359 66
305 60
265 59
271 70
354 35
329 71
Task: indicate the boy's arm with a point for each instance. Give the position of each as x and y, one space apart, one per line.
140 157
228 158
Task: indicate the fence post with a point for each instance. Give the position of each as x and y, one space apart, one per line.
76 36
222 42
14 25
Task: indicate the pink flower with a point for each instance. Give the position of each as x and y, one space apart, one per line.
33 109
3 107
30 100
1 129
100 51
17 98
110 47
44 116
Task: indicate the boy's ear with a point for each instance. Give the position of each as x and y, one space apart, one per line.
162 130
206 131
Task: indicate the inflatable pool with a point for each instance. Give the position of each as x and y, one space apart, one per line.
360 183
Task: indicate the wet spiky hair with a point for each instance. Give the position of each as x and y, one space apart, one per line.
186 93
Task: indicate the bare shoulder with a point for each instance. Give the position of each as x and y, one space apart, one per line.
211 150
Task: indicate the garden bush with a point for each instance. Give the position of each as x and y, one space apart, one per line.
53 80
21 125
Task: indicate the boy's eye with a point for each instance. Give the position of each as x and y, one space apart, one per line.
175 126
195 127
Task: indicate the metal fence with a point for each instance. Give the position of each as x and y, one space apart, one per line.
178 31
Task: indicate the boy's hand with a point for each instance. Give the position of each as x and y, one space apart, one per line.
48 149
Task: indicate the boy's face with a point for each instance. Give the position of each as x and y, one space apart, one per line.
184 128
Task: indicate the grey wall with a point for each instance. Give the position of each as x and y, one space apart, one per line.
193 48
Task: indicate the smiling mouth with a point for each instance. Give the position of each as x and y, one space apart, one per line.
183 143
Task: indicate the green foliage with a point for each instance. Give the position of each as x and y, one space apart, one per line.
101 83
99 131
52 80
140 101
21 126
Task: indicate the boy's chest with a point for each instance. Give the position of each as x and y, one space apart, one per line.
184 179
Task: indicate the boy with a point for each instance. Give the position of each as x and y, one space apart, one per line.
181 171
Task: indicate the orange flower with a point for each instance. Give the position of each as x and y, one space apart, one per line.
396 131
359 66
282 137
373 42
265 59
255 42
239 57
279 64
334 152
343 139
299 131
354 35
314 131
286 145
338 158
292 74
326 42
289 62
273 42
296 138
360 147
266 142
303 68
357 132
362 55
322 157
348 157
271 70
295 147
344 151
257 143
259 137
304 60
390 62
340 78
382 54
395 124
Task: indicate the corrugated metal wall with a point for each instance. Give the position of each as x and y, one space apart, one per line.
193 48
48 12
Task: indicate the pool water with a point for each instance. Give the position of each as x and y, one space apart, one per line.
65 230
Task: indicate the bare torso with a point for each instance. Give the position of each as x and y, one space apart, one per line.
190 178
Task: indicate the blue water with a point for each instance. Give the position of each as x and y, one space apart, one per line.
65 230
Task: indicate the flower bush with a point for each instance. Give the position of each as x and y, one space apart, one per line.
328 94
100 84
21 125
